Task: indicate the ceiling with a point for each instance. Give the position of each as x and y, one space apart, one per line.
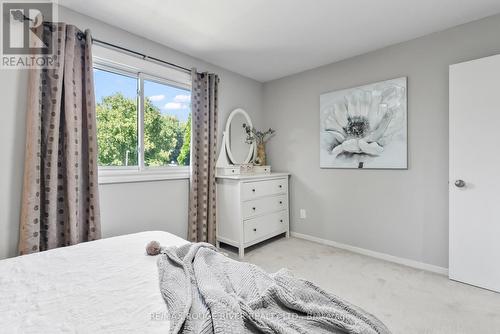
269 39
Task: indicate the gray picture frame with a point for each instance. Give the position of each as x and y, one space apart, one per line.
365 127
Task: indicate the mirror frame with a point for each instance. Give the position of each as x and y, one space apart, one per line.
228 141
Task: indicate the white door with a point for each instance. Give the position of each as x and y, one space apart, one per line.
475 172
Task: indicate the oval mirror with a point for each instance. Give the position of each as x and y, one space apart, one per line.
238 150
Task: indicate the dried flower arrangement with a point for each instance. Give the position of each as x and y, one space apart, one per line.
260 138
256 136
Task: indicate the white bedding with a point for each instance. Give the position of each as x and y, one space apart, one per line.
104 286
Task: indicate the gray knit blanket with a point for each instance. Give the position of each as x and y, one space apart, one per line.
207 292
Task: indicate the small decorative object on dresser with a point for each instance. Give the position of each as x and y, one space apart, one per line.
251 208
260 138
262 169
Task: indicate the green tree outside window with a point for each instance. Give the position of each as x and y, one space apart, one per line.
166 139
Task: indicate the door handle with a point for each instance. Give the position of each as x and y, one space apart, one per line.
459 183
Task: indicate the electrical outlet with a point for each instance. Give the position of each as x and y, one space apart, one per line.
303 214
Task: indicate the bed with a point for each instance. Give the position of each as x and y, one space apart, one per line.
112 286
104 286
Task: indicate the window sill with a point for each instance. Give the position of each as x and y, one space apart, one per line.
111 176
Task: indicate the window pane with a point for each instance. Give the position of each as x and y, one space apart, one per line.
116 108
167 125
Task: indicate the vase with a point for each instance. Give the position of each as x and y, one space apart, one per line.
260 160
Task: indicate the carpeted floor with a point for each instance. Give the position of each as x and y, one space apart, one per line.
407 300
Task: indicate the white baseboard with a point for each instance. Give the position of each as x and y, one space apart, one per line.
382 256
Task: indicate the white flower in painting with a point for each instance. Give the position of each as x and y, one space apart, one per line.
361 124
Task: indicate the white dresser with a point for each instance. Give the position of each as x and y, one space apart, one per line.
251 208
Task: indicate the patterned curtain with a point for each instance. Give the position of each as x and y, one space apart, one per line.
204 106
60 204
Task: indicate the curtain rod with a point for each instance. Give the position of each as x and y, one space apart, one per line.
21 17
143 56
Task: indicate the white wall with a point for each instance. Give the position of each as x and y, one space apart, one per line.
399 212
139 206
12 130
127 207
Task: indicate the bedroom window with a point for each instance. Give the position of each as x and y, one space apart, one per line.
117 126
167 124
143 124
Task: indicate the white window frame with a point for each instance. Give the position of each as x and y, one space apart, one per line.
128 65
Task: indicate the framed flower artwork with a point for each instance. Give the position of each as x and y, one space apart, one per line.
365 127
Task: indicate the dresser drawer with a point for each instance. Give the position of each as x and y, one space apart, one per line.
263 226
264 205
251 190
